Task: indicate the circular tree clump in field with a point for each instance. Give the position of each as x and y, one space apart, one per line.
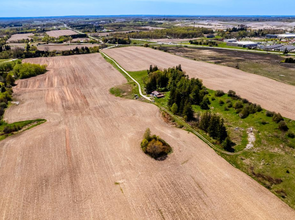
154 146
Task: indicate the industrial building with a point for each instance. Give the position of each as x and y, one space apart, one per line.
244 44
287 35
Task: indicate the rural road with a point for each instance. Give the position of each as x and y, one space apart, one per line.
139 87
85 162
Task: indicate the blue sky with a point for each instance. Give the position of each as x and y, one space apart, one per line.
31 8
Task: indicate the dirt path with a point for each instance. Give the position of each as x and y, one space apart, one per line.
270 94
68 167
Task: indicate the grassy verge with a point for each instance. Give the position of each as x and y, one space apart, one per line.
270 162
3 60
7 130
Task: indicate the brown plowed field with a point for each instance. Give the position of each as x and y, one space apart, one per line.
67 168
61 47
59 33
270 94
17 37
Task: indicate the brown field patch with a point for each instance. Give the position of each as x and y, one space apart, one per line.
85 162
269 65
59 33
270 94
17 37
61 47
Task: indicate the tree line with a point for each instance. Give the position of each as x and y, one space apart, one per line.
117 40
210 43
32 51
175 32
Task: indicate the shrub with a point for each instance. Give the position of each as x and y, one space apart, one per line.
283 126
238 105
245 112
221 102
258 108
245 101
269 114
228 101
205 103
144 145
227 145
219 93
277 118
155 146
1 111
3 105
291 134
174 108
232 93
264 122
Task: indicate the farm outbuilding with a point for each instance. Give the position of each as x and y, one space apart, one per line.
157 94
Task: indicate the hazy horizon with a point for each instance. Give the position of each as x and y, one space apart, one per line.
55 8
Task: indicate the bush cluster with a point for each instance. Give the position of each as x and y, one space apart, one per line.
154 146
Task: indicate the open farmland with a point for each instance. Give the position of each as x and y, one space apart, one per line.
59 33
86 161
270 94
268 65
17 37
62 47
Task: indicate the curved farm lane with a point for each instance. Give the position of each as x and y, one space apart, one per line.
86 161
270 94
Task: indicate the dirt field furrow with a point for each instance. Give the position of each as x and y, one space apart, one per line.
270 94
85 162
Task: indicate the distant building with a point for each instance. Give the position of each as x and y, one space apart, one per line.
244 44
271 36
230 40
275 47
289 48
210 36
157 94
287 35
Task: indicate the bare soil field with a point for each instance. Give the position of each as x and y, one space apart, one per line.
61 47
59 33
80 39
17 37
86 161
270 94
268 65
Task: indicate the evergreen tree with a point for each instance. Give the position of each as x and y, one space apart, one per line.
174 108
